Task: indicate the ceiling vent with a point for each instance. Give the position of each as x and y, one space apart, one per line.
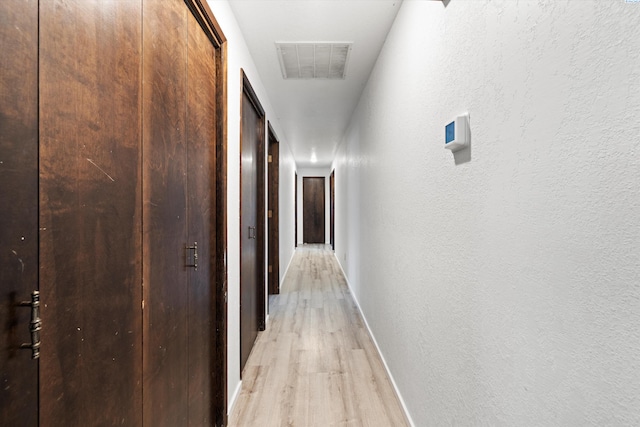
312 60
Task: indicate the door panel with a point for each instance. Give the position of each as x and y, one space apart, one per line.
201 210
295 209
90 235
273 217
18 208
71 101
252 224
313 206
332 209
165 209
248 222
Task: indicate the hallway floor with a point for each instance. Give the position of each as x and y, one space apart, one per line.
316 364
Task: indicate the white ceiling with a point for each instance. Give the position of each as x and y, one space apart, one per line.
314 114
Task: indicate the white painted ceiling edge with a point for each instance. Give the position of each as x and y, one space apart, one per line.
314 113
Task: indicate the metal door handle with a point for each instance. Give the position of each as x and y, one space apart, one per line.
35 326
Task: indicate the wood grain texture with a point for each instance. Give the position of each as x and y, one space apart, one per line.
313 209
201 213
332 210
219 235
165 213
184 306
295 208
18 208
90 233
220 397
261 226
274 219
248 221
316 364
91 200
252 213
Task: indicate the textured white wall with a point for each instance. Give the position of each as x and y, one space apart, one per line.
286 205
504 290
238 57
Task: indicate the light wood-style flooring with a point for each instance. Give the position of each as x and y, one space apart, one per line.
316 364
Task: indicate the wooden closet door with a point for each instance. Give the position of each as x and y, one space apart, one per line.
248 221
180 102
18 208
165 213
201 215
252 297
332 209
90 234
273 216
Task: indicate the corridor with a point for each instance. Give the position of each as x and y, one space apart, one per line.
316 364
475 166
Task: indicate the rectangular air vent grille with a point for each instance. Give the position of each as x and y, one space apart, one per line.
312 60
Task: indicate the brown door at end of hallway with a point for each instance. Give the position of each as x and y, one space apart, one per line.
273 215
313 207
251 221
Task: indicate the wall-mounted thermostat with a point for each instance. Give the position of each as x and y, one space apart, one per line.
456 133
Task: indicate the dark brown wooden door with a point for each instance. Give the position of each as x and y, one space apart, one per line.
179 153
295 208
165 214
251 220
201 212
332 209
70 100
313 207
90 234
273 272
18 208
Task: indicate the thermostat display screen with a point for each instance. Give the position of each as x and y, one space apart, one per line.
450 132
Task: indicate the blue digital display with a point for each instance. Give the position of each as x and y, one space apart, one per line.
450 132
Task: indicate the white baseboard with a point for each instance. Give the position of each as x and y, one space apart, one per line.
287 269
373 338
234 399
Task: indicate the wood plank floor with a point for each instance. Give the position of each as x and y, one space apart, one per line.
315 365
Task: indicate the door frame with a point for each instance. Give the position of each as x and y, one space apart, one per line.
273 216
247 89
